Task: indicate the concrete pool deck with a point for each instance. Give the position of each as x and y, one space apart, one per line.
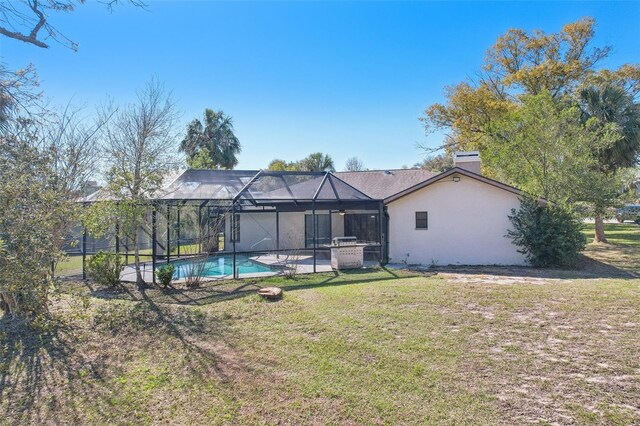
302 263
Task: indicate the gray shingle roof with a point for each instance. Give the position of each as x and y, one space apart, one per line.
381 184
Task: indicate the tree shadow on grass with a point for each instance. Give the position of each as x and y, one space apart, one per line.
67 370
631 237
612 259
43 364
174 322
224 290
357 276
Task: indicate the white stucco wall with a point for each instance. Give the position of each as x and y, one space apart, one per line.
257 232
291 230
337 225
467 225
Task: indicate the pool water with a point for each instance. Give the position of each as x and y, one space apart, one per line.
218 266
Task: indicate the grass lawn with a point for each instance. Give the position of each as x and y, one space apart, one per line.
617 233
463 346
72 265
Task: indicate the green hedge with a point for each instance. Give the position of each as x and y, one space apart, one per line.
547 235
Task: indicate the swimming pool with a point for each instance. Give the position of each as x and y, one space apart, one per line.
219 266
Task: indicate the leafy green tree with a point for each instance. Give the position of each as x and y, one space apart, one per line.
215 139
610 105
317 162
530 147
45 162
283 166
545 148
561 65
519 63
33 213
201 160
437 163
277 165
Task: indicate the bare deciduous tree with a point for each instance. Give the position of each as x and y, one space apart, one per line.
74 145
139 152
18 95
353 164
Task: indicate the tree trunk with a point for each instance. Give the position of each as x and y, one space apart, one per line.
8 303
136 255
599 236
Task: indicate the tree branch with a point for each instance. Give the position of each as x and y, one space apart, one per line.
35 15
41 19
22 37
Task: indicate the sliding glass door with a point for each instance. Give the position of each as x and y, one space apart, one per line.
323 229
365 227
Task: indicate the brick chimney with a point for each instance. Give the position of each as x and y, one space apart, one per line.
469 160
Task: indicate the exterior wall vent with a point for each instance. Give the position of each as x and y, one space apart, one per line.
469 160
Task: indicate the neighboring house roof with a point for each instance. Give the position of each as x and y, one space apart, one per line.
450 172
382 184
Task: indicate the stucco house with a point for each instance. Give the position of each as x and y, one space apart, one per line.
412 216
458 217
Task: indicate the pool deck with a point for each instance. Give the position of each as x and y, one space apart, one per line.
302 263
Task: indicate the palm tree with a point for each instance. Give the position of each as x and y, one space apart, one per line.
317 162
216 136
609 103
193 140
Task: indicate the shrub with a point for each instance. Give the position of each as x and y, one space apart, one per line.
194 271
165 274
547 235
105 268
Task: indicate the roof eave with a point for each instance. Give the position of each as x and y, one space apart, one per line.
455 170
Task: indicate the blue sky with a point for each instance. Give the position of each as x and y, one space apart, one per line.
343 78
